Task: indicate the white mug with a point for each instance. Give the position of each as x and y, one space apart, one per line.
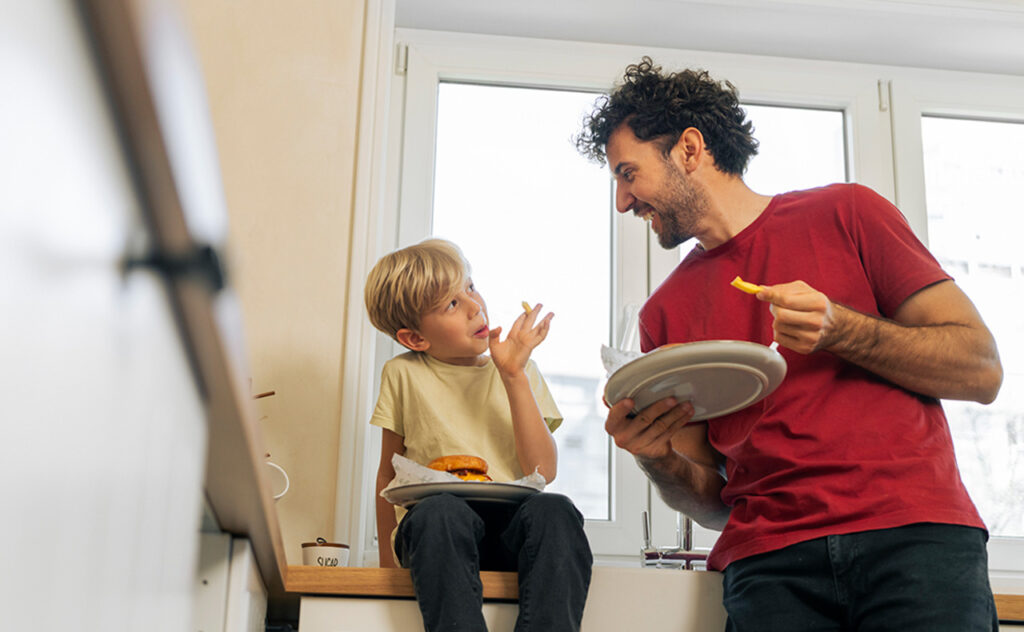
287 481
324 553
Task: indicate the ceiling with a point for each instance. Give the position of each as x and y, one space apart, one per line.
969 35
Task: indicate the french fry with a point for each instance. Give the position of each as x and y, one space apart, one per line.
744 286
526 307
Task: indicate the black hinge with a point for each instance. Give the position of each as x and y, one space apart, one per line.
202 262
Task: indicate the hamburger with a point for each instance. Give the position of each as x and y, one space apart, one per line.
466 467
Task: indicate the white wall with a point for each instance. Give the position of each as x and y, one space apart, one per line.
283 85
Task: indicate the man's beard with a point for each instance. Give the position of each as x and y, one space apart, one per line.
682 205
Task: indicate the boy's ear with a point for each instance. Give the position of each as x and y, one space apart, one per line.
412 340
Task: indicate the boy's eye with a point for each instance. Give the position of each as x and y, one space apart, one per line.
471 289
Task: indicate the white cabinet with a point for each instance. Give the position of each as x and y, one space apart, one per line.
229 592
619 599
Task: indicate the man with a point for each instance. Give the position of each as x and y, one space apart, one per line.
838 496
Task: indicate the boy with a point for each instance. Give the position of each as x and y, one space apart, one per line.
445 396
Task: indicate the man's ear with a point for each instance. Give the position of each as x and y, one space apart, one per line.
411 339
689 150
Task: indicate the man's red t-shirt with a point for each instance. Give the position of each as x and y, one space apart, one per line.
835 449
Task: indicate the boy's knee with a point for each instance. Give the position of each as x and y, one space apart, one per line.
552 506
440 510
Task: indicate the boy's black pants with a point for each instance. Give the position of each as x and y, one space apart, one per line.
445 541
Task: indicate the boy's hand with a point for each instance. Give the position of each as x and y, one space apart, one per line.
510 355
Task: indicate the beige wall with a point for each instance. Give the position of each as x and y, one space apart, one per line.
283 85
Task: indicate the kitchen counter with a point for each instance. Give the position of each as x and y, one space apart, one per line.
615 586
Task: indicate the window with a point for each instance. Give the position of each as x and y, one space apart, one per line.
513 193
973 201
965 208
800 148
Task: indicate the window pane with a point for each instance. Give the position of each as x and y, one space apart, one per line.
513 193
800 148
974 173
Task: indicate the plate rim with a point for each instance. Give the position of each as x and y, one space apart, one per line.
472 489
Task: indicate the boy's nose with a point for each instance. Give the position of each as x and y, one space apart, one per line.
472 305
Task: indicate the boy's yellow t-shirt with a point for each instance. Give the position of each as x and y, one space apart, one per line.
441 409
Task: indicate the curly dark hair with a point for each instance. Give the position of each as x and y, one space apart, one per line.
661 107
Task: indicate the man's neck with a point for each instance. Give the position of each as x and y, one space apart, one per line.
733 207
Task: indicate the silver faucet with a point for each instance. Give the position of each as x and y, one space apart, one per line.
681 555
649 556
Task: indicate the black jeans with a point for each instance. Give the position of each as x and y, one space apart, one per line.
927 577
445 541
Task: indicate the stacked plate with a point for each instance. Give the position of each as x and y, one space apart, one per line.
717 376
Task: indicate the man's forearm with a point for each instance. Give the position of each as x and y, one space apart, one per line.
943 360
692 489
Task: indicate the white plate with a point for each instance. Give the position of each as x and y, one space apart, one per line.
409 495
718 376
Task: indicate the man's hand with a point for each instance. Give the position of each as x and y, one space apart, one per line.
648 434
935 344
675 455
805 319
510 355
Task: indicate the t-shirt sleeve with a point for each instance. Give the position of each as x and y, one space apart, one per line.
388 411
546 403
649 324
896 262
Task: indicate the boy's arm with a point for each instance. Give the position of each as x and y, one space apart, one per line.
535 447
390 444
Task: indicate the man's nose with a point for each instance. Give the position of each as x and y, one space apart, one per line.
624 200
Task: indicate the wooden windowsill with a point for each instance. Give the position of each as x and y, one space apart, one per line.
389 582
1010 607
382 582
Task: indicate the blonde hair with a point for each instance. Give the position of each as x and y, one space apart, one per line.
410 282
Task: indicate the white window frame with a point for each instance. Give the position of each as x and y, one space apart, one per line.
881 106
